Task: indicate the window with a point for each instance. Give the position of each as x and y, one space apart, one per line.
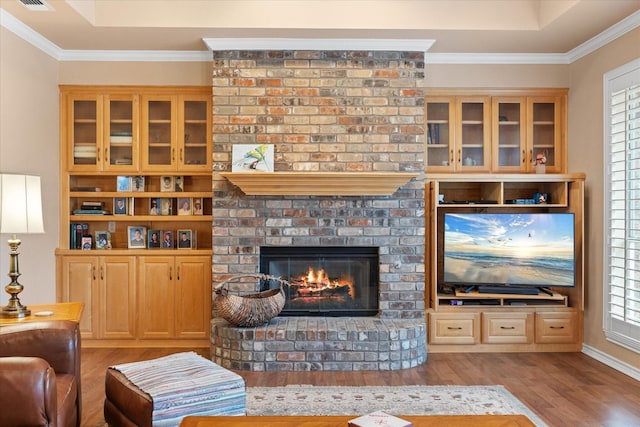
622 205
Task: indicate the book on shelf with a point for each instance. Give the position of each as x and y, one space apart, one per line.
87 189
122 137
91 212
87 204
76 233
379 419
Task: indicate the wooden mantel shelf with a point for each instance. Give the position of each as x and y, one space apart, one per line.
319 183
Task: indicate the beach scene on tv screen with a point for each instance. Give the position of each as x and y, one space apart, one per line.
517 249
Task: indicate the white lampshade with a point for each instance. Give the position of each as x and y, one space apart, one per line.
20 204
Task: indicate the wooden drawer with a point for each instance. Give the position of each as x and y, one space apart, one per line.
507 328
552 328
454 328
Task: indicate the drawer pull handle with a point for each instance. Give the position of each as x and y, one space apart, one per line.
454 328
507 327
556 327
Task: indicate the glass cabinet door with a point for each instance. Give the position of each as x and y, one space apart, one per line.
473 140
544 133
509 137
84 135
439 119
194 134
121 139
158 133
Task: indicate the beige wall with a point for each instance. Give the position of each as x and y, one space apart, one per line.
136 73
586 153
29 144
494 76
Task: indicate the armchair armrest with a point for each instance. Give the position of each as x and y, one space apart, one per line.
56 341
28 395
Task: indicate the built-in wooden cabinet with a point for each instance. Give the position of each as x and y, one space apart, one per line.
488 130
106 286
146 137
462 319
174 297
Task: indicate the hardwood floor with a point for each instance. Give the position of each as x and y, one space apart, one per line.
564 389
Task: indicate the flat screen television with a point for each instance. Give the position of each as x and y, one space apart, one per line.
498 251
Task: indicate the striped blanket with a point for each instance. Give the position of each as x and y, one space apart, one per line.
185 384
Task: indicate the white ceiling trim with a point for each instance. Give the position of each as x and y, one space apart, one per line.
26 33
607 36
137 55
406 45
496 58
36 39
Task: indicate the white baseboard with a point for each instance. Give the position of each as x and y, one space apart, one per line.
614 363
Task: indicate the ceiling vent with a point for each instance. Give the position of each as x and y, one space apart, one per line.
38 5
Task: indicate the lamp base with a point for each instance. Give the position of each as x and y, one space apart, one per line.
15 312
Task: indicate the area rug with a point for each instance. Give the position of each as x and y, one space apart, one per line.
405 400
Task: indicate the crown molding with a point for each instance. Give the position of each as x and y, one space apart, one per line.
629 23
496 58
423 45
405 45
137 55
26 33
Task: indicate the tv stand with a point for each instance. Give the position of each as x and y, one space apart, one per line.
463 317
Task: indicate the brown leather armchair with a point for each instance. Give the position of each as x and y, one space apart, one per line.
40 374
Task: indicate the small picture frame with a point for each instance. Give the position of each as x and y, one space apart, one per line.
137 237
154 207
123 183
178 184
184 206
197 206
167 239
185 240
167 183
103 240
166 206
137 183
153 239
87 243
252 158
120 206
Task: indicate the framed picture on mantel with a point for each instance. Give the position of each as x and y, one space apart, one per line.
252 158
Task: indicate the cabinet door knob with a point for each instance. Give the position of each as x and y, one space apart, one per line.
93 272
556 327
170 273
524 156
102 272
178 275
507 327
452 328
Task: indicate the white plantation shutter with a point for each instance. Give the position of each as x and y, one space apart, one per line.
622 206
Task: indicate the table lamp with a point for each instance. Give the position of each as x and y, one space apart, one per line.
20 212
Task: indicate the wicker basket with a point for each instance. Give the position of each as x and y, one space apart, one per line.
251 309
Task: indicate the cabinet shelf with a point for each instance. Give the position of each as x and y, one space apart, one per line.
319 183
141 218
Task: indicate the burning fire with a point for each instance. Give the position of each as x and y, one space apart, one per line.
318 283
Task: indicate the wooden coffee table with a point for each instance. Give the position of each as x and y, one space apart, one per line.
342 420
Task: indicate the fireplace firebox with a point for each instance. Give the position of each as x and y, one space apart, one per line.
325 281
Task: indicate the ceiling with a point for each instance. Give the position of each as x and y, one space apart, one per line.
454 26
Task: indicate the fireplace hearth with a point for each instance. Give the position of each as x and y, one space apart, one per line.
325 281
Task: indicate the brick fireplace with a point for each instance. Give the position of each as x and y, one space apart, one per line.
324 111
